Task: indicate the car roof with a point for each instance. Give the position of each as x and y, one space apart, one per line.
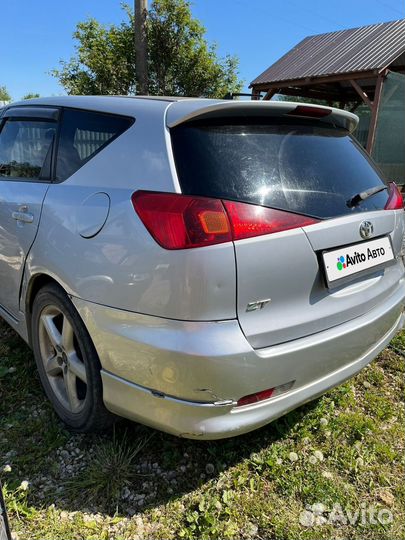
113 104
182 109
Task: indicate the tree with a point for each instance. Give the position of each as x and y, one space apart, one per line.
180 61
4 95
31 95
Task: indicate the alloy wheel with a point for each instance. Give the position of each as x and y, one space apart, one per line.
62 359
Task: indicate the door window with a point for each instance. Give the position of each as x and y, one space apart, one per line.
26 148
84 134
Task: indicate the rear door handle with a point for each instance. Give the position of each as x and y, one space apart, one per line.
22 215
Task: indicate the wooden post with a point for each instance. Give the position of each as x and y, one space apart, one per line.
374 112
255 94
141 47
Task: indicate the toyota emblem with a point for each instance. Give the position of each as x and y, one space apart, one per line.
366 229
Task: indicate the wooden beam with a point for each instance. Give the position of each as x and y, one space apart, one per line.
361 93
255 95
374 113
270 94
317 80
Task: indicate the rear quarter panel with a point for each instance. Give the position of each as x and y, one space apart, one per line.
122 266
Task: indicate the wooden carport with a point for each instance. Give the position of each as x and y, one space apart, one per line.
348 67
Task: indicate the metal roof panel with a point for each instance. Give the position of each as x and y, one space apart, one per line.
345 51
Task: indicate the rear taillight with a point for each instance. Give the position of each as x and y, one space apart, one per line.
249 220
395 199
181 221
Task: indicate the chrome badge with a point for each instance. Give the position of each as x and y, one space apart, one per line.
366 229
253 306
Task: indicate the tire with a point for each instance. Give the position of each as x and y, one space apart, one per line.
67 362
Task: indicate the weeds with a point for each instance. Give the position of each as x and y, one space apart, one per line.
111 469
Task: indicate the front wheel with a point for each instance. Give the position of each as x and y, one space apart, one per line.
67 362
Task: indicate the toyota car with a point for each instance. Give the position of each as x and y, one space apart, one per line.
199 266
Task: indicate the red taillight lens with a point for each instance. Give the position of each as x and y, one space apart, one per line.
254 398
182 222
249 220
395 199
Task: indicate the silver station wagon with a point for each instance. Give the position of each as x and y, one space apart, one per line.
200 266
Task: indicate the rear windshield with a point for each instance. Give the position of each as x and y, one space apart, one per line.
306 169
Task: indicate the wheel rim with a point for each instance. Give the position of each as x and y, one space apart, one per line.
62 359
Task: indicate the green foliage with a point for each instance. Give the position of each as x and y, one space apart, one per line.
4 95
31 95
299 99
181 62
104 61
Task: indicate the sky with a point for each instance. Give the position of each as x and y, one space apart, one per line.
36 35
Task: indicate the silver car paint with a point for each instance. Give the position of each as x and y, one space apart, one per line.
24 200
214 361
288 272
123 266
191 357
167 320
185 110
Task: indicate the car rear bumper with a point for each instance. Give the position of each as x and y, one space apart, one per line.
185 377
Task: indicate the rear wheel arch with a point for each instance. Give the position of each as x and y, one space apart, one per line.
36 283
64 353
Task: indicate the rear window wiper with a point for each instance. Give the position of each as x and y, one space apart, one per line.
363 195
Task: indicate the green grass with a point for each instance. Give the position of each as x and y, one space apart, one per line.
133 482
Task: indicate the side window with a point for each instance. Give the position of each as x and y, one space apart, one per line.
83 134
25 149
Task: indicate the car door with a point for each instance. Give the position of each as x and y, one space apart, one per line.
27 135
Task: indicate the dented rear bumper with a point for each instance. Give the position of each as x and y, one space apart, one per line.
185 377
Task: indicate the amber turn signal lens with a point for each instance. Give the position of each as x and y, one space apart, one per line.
214 222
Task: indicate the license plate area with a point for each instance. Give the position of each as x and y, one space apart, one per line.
348 262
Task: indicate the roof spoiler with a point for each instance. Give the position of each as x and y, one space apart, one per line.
186 111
